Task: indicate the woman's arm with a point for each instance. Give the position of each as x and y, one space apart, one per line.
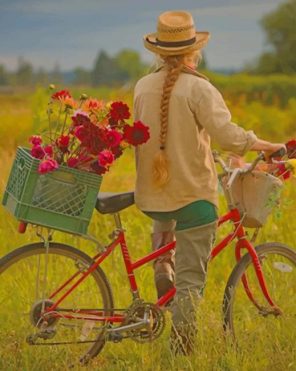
213 114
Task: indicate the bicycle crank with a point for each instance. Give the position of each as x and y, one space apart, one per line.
151 316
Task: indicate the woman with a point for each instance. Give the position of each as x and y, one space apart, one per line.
176 178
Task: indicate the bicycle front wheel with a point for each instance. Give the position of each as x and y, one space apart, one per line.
28 278
252 324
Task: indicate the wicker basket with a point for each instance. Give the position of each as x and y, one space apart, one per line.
254 195
63 199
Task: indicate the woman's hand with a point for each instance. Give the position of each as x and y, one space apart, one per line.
267 147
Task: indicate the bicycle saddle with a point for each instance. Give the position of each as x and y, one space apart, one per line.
109 203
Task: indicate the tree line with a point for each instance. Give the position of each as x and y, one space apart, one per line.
124 67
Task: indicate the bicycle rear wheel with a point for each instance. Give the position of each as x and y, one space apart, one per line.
28 277
243 318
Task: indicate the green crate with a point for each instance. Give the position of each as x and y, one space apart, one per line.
63 199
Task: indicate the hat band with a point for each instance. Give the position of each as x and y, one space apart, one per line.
173 44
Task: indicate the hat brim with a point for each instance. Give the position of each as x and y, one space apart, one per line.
150 43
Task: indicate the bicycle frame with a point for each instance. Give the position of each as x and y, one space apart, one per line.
97 315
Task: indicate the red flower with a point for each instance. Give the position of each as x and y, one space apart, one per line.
119 111
80 118
137 134
79 132
72 161
84 158
35 140
62 142
282 171
113 138
38 152
47 165
112 123
117 151
291 148
48 150
97 168
92 138
105 158
62 94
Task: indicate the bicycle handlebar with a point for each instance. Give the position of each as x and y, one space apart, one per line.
227 169
236 171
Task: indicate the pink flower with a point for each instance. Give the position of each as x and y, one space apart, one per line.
105 158
48 150
72 161
113 138
47 165
35 140
38 152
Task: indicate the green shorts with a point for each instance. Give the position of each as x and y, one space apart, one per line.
192 215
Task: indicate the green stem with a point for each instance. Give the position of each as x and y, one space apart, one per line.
64 123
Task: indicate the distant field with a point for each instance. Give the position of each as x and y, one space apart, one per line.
22 115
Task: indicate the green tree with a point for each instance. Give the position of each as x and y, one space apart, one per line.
81 76
130 65
24 73
105 71
3 75
279 26
56 76
203 63
41 77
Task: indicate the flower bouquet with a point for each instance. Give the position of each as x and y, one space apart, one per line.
55 183
87 134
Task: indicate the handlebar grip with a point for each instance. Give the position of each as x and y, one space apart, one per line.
280 153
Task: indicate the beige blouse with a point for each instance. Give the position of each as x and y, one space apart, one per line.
197 114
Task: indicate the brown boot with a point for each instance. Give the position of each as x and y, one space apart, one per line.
164 266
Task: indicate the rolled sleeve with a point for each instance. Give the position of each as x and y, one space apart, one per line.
214 116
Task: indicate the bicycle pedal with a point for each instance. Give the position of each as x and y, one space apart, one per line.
115 337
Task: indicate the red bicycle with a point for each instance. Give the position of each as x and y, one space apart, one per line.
55 294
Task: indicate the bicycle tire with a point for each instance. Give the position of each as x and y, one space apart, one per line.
59 249
266 253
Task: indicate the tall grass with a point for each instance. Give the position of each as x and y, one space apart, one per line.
213 350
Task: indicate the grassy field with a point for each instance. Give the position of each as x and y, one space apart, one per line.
20 117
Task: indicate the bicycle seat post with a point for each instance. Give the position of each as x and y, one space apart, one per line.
117 221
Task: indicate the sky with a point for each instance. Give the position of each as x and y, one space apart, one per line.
70 33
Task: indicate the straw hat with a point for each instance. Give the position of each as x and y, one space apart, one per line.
176 34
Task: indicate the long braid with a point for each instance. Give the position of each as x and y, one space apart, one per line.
161 162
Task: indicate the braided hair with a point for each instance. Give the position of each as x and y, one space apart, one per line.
161 163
